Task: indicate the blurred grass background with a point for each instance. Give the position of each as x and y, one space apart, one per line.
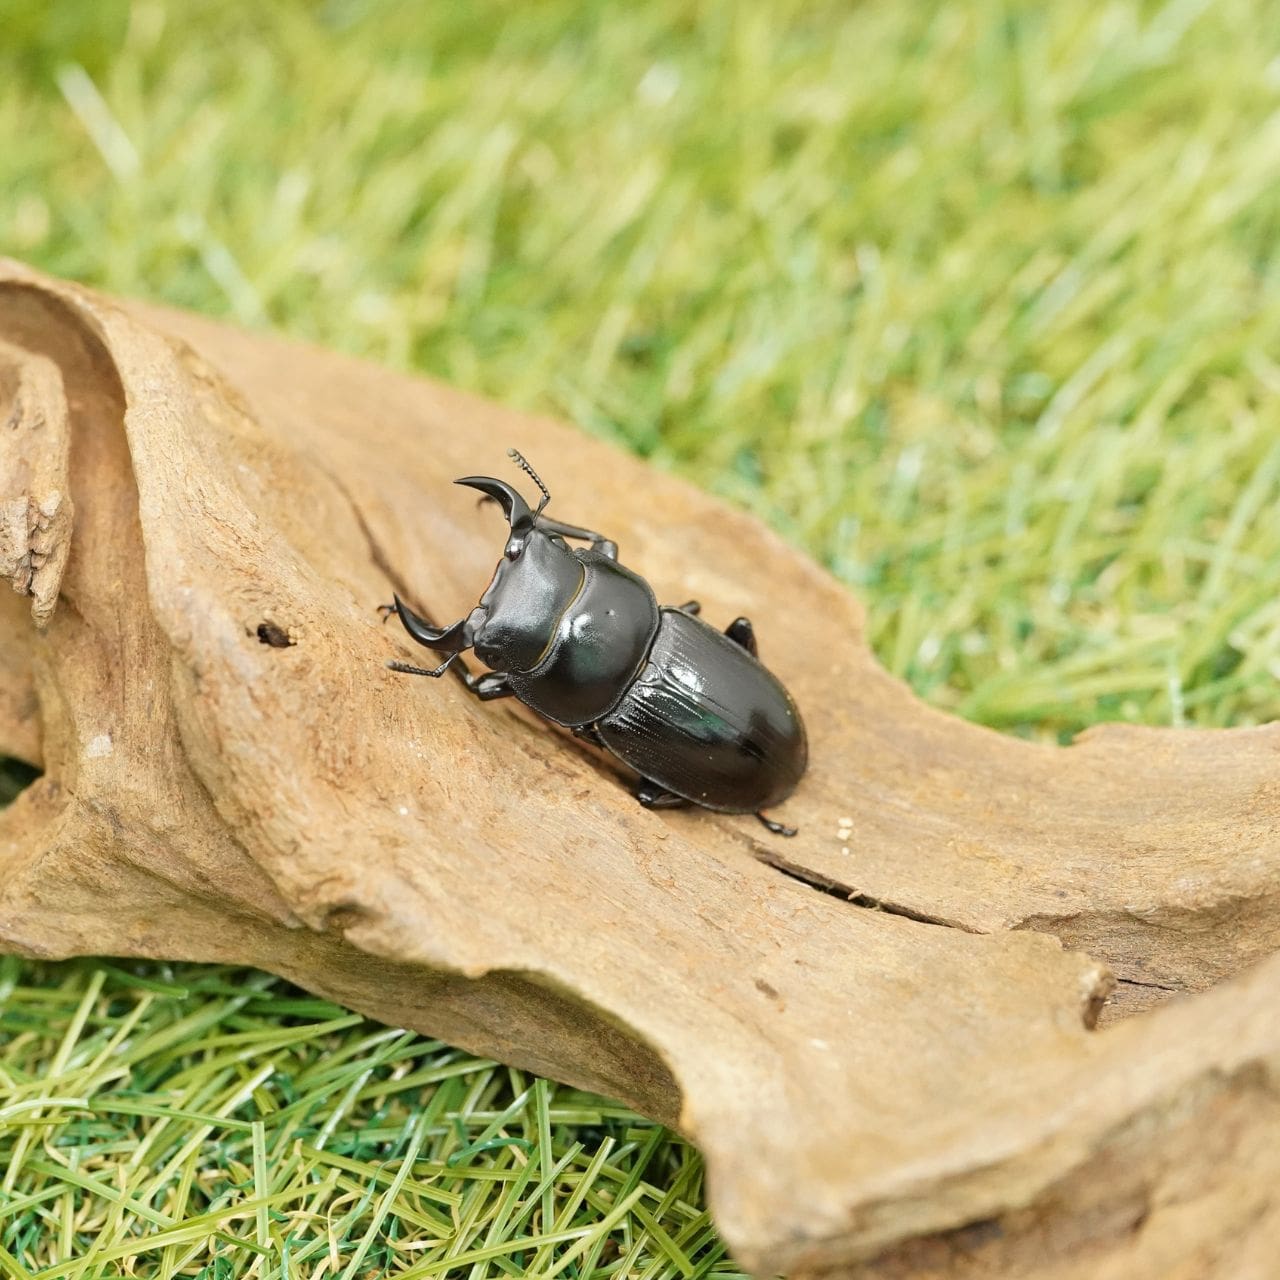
979 304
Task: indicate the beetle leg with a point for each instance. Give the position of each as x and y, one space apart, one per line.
605 546
652 796
778 828
486 687
691 607
493 684
740 631
589 733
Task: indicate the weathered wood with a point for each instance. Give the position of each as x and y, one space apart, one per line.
885 1054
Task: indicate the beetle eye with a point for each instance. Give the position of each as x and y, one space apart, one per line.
514 548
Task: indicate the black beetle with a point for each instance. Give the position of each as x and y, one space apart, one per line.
582 640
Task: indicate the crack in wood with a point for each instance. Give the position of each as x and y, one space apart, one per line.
1155 986
847 893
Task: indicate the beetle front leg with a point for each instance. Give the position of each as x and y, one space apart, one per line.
605 546
691 607
486 687
491 685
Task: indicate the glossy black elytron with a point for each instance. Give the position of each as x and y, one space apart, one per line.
581 639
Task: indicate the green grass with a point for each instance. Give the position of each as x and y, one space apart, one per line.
211 1122
978 303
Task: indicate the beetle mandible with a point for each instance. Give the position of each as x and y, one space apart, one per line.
581 640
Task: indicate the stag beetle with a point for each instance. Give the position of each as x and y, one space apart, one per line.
581 639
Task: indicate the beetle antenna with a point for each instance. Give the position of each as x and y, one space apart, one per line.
519 459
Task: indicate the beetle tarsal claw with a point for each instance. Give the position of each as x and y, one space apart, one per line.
778 828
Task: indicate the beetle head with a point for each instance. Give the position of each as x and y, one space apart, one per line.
532 586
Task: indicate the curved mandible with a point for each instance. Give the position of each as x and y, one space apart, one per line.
451 639
514 507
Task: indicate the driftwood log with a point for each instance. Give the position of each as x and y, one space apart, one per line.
888 1055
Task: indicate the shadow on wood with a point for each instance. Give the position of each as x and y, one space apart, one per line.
886 1055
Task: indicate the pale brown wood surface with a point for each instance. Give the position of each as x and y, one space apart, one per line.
887 1055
